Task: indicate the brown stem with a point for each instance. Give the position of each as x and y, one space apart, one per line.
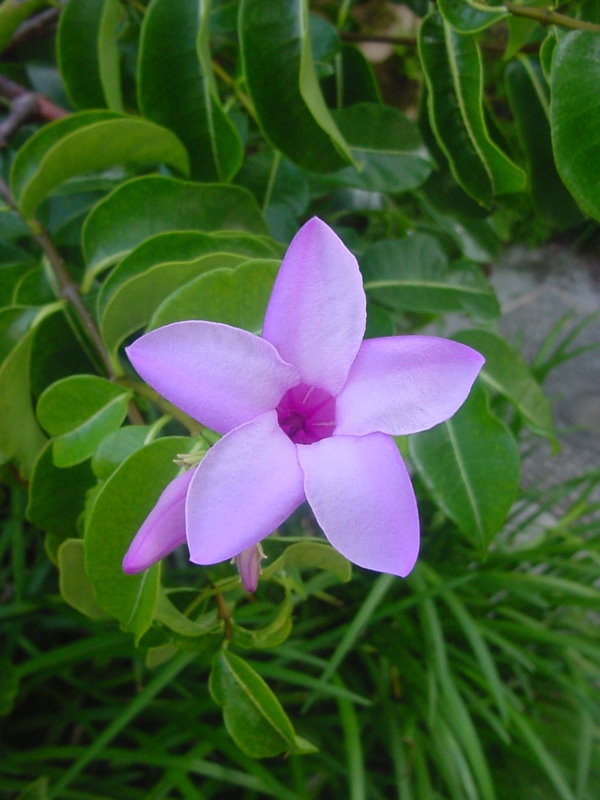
33 28
22 108
45 108
411 41
224 613
69 291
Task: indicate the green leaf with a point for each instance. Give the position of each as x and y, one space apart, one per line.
86 142
454 78
312 555
75 586
271 635
79 411
120 508
283 85
175 88
575 108
530 104
178 246
387 149
471 16
471 466
87 53
505 371
146 206
236 297
171 617
20 435
253 715
414 274
353 81
133 304
118 446
57 496
12 14
9 686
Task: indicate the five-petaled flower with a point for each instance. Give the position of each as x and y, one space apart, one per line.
307 412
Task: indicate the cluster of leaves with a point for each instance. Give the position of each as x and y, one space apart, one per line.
197 138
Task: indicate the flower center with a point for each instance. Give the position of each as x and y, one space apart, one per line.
306 414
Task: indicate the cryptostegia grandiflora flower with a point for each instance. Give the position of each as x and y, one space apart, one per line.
307 412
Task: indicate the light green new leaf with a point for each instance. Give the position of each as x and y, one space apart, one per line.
471 466
146 206
281 79
136 300
75 586
471 16
387 149
79 411
253 715
87 53
119 509
454 77
414 274
575 116
529 98
86 142
176 90
505 371
237 297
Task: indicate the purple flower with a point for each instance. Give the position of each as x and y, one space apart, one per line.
307 412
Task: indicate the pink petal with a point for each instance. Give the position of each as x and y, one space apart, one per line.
404 384
219 375
316 315
245 487
163 530
362 497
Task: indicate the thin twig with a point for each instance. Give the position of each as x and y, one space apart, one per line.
69 291
33 28
143 390
411 41
22 108
224 613
45 108
545 16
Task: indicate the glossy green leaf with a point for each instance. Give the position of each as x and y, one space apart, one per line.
20 435
529 98
171 617
283 85
79 411
506 372
311 555
57 496
236 297
471 16
353 80
575 108
271 635
87 53
414 274
470 464
118 446
454 78
143 207
176 90
75 586
253 715
387 148
119 509
134 303
179 246
86 142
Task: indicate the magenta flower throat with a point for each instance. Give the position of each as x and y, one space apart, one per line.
307 412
